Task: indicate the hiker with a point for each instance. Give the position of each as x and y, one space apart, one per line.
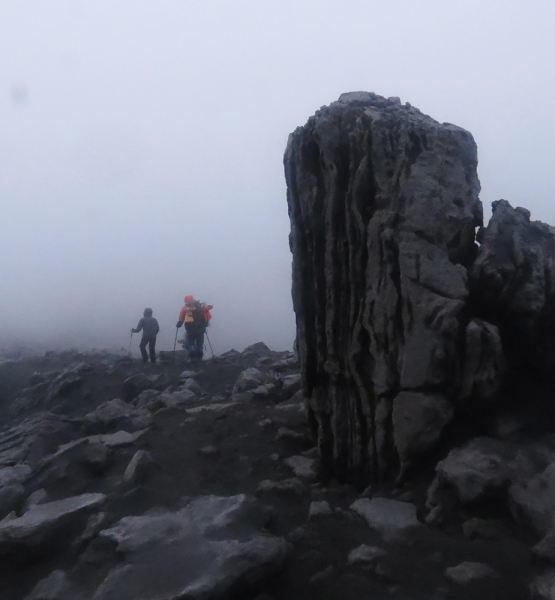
195 318
149 325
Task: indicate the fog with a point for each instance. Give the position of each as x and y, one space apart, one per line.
141 144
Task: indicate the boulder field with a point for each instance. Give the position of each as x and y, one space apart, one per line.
206 483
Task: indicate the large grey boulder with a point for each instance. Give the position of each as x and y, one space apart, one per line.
513 285
43 524
117 414
52 587
483 467
418 420
532 500
383 202
248 380
212 548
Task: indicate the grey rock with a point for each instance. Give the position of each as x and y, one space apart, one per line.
511 278
187 374
205 550
192 386
139 469
469 572
136 384
19 473
532 501
418 420
95 524
146 398
302 466
323 577
117 439
259 349
117 414
33 438
37 497
11 496
384 289
318 510
42 524
478 469
52 587
181 397
365 555
389 517
209 451
264 391
248 380
482 528
291 385
286 486
543 587
284 433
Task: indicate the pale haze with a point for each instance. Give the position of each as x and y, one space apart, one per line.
141 145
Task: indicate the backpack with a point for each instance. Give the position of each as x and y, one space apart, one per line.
198 317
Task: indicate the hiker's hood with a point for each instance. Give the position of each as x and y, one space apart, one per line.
188 299
148 312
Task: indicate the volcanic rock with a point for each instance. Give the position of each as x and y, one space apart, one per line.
383 202
43 524
208 549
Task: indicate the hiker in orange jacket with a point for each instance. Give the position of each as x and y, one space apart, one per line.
195 316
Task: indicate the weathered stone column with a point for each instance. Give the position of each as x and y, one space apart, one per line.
384 206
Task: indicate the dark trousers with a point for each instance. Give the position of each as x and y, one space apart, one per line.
151 348
194 341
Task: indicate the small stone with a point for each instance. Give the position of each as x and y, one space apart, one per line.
303 467
274 457
192 386
10 498
51 588
367 492
468 572
37 497
319 509
285 433
139 468
481 528
389 517
365 555
209 451
322 577
286 486
187 374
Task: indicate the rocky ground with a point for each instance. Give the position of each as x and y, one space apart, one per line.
179 480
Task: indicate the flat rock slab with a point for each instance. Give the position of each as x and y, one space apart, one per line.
469 572
389 517
16 474
365 555
209 549
42 523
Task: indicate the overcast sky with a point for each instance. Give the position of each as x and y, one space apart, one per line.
141 144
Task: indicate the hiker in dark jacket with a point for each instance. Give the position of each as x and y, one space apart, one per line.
150 328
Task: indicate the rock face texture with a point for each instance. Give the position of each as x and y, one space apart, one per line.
403 320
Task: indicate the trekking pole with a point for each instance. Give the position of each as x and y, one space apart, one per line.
130 339
210 344
175 342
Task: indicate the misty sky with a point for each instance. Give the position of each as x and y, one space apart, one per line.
141 144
